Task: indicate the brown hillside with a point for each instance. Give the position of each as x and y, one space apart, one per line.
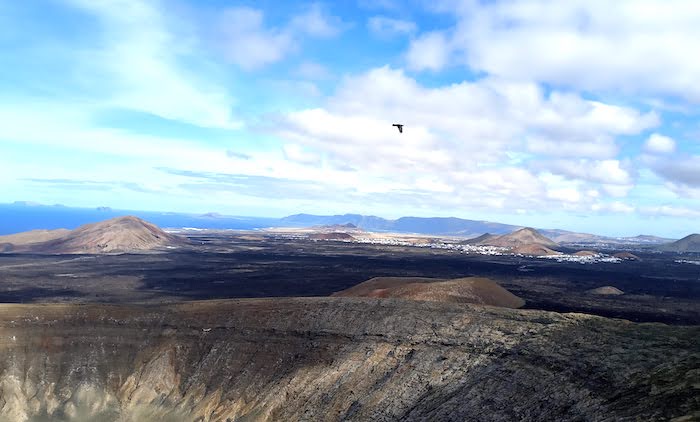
626 255
534 250
461 290
122 234
607 290
34 236
520 237
585 253
481 240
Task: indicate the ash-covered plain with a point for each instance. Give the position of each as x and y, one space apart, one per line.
251 265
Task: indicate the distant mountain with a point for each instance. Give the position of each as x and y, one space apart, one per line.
645 238
337 227
525 236
118 235
565 236
480 240
25 216
690 243
448 226
423 225
366 222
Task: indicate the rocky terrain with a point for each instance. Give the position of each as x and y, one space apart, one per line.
117 235
461 290
326 359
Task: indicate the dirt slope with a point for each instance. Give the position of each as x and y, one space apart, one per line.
534 250
33 236
461 290
520 237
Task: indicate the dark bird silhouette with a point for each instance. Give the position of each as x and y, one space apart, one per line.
400 127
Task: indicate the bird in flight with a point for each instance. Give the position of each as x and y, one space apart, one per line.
400 127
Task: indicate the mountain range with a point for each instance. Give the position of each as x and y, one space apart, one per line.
25 216
453 226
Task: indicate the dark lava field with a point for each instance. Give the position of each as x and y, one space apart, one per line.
656 288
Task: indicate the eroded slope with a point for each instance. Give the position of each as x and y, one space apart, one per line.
339 359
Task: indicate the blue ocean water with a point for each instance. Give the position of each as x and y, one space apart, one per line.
19 217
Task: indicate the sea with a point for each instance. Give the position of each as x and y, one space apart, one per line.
20 216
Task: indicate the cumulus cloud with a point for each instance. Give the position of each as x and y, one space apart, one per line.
683 170
294 152
659 144
670 211
251 44
430 51
136 60
461 138
622 46
386 27
612 172
315 21
313 70
615 207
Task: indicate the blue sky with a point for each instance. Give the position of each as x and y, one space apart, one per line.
579 115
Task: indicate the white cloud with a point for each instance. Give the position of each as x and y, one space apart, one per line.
463 137
429 51
137 66
671 211
680 170
250 44
615 207
659 144
386 27
313 70
564 194
294 152
628 46
316 22
611 172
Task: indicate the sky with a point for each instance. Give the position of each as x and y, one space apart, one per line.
581 115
